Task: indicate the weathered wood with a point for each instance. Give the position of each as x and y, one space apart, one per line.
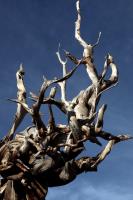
43 156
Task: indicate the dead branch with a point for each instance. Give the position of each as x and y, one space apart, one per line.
63 83
21 97
46 149
112 81
99 122
101 156
88 49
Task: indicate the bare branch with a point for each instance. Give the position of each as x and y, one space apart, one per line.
51 124
77 27
52 92
88 49
36 107
98 40
72 57
101 156
48 100
67 76
33 156
61 61
112 81
99 123
63 83
24 105
21 96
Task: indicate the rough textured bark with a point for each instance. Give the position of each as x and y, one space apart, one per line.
43 156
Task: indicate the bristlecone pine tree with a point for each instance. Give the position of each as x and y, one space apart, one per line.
42 155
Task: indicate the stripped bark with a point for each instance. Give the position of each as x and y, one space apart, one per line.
43 156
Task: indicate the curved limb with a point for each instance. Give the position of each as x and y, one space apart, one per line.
99 122
113 79
77 27
21 97
88 49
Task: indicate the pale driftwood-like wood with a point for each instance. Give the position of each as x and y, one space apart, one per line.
21 96
45 155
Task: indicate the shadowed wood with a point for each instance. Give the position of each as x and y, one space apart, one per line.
45 155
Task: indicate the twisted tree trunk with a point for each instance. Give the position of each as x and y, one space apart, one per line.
44 156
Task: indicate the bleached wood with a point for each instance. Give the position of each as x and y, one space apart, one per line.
77 27
99 122
88 49
63 83
101 156
21 96
43 156
113 79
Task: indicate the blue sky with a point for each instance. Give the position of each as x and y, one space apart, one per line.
30 31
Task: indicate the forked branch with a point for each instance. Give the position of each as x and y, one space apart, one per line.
63 83
33 156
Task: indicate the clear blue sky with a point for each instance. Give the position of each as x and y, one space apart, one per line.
30 31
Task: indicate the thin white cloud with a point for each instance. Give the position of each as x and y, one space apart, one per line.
85 191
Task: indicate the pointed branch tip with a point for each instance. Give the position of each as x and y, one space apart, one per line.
98 39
